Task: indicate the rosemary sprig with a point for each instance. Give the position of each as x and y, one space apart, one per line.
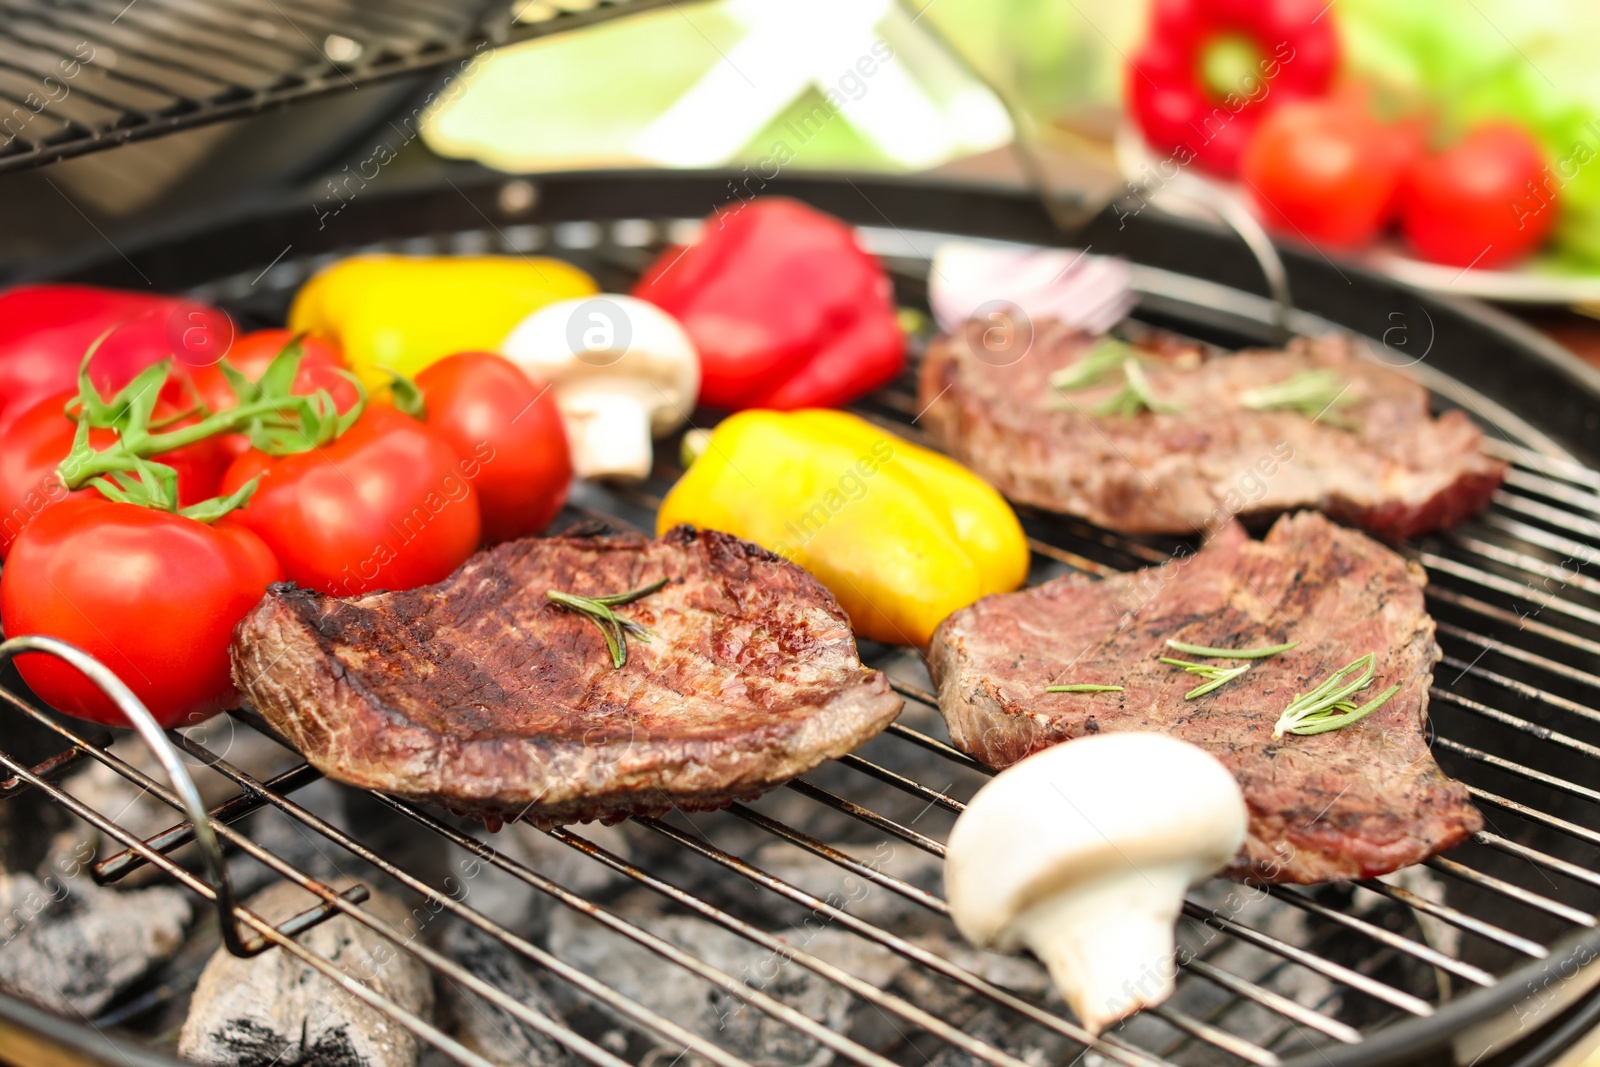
613 627
1218 676
1134 396
1328 706
1106 356
1083 688
1316 394
1231 653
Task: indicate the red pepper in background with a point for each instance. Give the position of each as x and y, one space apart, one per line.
785 308
46 329
1212 69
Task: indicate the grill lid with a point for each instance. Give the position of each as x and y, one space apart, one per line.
82 77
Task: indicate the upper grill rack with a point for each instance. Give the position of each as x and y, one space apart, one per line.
81 75
1275 974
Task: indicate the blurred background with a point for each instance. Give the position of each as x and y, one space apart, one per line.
1421 93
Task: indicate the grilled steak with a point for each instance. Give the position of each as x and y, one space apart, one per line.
480 695
1376 460
1352 803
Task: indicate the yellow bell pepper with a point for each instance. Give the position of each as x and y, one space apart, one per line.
405 312
902 536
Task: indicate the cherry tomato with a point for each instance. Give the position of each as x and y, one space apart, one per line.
495 416
387 505
33 445
1484 202
152 595
319 369
1326 171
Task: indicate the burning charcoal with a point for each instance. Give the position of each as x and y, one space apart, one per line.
566 865
141 814
1008 1032
484 1028
274 1009
745 1031
850 891
71 945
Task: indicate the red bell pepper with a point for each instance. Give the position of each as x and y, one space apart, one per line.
1210 70
785 308
46 329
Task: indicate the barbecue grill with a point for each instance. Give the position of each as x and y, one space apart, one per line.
1483 956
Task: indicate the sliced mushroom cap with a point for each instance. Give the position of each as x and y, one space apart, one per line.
1082 853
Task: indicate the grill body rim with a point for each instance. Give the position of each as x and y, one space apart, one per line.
189 253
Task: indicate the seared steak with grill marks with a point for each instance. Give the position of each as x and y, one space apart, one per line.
1352 803
480 695
1398 473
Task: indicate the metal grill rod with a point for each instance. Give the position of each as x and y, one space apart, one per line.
1426 953
339 901
1554 490
1511 618
952 1035
939 907
1521 771
1542 859
1538 535
1107 1044
1458 919
1554 603
1515 892
597 990
834 974
1538 461
1571 829
1516 722
1523 689
1335 972
1423 952
1328 969
185 798
1562 520
1522 655
422 1030
1524 562
115 868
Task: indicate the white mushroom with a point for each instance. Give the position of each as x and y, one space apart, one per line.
622 370
1082 853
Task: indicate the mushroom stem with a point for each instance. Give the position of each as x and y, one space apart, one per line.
1109 945
609 431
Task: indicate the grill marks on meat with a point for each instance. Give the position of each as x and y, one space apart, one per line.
478 694
1352 803
1400 474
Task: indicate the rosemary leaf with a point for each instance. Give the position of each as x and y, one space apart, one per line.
1082 688
1134 396
631 595
613 627
1106 356
1351 714
1316 394
1218 676
1328 706
1231 653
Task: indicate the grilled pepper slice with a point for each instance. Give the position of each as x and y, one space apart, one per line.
403 313
785 309
902 536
